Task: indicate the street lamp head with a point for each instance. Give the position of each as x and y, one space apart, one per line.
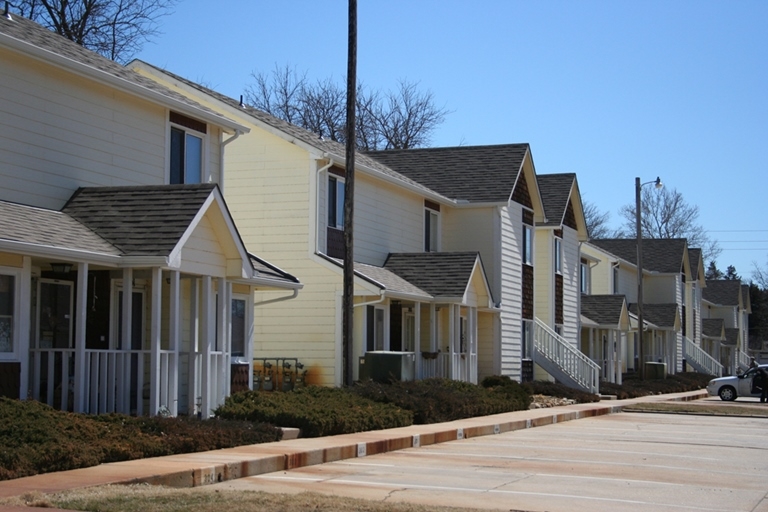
658 184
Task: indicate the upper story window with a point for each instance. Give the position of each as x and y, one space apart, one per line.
431 226
558 255
527 244
584 277
187 144
615 279
335 202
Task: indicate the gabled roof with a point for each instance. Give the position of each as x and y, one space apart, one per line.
265 270
477 174
713 328
664 255
37 42
441 274
746 301
722 292
662 315
555 192
142 220
604 310
289 131
390 281
731 337
695 259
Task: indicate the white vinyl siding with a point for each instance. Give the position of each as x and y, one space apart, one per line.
571 293
511 285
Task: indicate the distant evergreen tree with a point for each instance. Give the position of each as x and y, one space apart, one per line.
713 272
731 275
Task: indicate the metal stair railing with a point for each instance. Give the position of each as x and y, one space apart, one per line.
743 360
700 360
571 362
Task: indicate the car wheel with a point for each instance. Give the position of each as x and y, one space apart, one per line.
727 394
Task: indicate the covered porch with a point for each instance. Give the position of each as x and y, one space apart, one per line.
604 329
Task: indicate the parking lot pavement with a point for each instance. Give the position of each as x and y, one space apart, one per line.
627 461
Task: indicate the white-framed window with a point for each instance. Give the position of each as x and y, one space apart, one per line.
615 279
335 202
377 336
527 244
584 277
431 230
558 255
10 289
187 150
409 330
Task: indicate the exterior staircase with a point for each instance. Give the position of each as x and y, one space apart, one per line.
742 360
698 358
563 361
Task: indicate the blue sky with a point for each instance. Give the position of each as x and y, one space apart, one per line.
608 90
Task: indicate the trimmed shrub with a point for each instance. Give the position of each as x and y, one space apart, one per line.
35 438
438 400
317 411
633 387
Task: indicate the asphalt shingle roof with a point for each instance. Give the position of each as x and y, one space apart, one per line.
694 257
266 270
389 279
555 190
603 309
663 315
712 327
27 31
659 254
723 292
49 228
441 274
144 220
478 174
731 337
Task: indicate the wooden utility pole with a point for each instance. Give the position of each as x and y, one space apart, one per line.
349 195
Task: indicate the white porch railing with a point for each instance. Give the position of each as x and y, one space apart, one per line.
464 366
118 380
699 359
743 360
560 358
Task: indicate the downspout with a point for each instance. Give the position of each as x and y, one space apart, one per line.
317 201
237 134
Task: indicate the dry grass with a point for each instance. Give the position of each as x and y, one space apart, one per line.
700 408
146 498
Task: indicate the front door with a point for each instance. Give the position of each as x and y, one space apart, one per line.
54 313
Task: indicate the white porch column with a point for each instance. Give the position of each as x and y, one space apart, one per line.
433 328
126 336
174 342
222 340
472 345
452 330
193 375
417 338
156 311
25 325
207 334
81 313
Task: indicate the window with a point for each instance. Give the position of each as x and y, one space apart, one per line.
7 312
238 327
335 202
527 244
375 328
527 339
431 230
186 162
584 277
615 279
558 256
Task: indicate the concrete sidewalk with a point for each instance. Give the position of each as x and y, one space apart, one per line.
195 469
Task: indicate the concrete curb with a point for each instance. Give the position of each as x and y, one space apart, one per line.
196 469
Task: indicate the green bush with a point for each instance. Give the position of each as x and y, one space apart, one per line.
317 411
633 387
438 400
35 438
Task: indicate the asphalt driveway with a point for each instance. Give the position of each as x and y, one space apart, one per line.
627 461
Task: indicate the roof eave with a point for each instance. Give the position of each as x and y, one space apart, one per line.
45 251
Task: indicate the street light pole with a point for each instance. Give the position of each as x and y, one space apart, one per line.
640 351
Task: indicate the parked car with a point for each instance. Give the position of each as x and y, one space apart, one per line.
734 386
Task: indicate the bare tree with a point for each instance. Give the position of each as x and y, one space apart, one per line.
399 119
760 275
666 214
116 29
597 221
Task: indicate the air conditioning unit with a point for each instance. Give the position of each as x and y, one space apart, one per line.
384 366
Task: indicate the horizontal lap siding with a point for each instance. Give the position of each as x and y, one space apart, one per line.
59 132
571 286
474 229
387 219
544 276
202 253
511 290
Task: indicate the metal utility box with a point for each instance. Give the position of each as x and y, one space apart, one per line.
383 366
655 370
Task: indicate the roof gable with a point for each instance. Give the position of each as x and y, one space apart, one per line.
562 201
664 255
723 292
606 310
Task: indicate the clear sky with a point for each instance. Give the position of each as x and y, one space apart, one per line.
609 90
